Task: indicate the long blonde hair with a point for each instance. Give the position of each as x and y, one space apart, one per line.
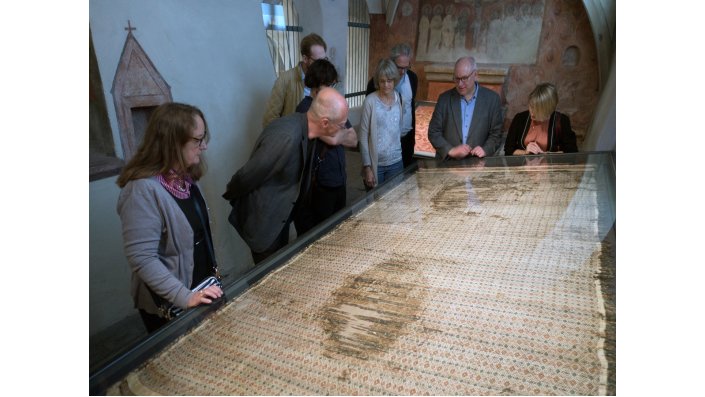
169 129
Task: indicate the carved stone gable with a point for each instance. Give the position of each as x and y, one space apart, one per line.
138 88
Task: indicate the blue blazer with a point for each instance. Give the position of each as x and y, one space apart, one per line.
445 128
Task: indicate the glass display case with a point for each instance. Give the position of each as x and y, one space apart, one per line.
481 276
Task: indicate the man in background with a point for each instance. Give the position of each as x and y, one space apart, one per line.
289 89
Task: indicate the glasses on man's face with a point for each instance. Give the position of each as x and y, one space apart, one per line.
403 68
312 59
341 126
199 141
464 79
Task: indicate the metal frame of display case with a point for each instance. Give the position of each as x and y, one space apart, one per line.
134 356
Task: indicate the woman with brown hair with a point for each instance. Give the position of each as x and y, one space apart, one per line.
165 228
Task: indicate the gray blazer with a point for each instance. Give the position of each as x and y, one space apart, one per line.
158 244
263 192
445 128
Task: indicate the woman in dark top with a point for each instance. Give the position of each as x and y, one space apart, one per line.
540 129
328 193
165 228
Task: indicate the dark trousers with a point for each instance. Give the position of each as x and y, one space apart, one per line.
408 142
151 321
279 242
325 201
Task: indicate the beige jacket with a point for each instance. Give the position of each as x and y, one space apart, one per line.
287 92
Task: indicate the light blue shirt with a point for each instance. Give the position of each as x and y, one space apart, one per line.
467 108
307 91
404 90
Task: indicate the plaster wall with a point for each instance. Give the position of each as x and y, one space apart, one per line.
109 289
603 134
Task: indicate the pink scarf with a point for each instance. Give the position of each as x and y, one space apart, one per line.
178 185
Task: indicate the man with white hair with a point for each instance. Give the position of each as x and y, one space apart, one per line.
265 191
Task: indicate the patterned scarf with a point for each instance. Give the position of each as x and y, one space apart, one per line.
178 185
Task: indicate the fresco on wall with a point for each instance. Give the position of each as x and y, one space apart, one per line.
505 31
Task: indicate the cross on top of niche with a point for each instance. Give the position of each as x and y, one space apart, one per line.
129 27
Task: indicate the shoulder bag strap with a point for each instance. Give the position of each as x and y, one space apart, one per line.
207 233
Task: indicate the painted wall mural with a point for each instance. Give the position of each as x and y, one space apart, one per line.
449 29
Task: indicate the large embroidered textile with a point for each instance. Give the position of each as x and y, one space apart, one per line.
463 281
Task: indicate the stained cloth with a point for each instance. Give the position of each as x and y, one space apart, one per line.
457 281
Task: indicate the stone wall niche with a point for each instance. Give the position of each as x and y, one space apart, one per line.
138 88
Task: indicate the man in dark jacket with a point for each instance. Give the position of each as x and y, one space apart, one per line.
265 191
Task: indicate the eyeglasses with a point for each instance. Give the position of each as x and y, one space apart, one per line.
464 79
200 141
403 68
342 125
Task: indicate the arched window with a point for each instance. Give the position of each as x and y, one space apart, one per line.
281 24
358 52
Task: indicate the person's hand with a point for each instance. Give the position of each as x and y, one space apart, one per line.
346 137
206 295
329 140
369 177
478 151
460 151
533 148
349 138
